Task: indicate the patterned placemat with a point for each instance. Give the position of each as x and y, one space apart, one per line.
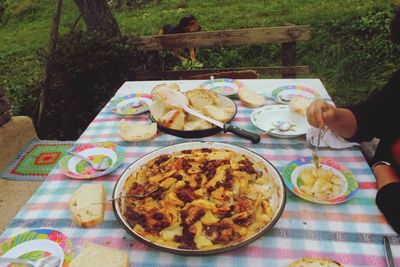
35 161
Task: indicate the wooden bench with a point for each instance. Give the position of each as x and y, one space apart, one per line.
287 36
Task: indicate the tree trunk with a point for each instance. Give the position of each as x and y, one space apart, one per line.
98 17
52 46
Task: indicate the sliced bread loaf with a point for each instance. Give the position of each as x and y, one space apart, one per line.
250 99
157 109
216 113
170 97
314 262
94 255
197 125
173 119
84 213
201 97
137 132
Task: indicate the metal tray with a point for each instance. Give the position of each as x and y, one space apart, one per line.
118 189
225 101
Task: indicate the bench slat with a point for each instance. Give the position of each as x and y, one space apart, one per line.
285 34
188 73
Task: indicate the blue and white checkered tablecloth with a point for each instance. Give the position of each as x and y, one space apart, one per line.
350 233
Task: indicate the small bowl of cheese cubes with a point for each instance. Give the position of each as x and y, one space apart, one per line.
331 183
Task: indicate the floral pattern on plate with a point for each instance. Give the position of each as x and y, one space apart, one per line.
291 176
282 94
25 238
75 167
226 87
132 104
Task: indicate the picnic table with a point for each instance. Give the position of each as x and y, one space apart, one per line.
350 233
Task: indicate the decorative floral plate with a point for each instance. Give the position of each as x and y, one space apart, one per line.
226 87
269 118
284 93
132 104
75 167
291 177
38 243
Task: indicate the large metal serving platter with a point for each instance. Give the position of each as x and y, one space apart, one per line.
118 190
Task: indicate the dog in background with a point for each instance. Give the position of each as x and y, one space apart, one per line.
186 24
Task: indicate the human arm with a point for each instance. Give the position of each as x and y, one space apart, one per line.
340 120
384 175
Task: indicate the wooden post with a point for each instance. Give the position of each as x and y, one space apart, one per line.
52 46
289 58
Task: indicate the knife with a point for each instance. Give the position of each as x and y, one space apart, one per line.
254 138
388 252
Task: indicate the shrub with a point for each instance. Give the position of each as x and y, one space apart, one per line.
354 54
22 10
2 8
86 71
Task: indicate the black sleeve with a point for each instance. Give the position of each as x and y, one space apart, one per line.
387 200
378 108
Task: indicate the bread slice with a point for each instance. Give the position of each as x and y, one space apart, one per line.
315 262
137 132
201 97
299 104
155 90
170 97
174 119
94 255
250 99
84 213
216 113
157 109
197 125
174 86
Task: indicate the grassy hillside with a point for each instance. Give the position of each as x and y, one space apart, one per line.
349 50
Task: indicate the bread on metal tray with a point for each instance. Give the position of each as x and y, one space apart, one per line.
173 119
197 125
216 113
201 97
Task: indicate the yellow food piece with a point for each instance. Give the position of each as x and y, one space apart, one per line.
208 198
321 183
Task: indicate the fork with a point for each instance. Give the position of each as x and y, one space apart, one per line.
130 195
388 251
315 157
98 166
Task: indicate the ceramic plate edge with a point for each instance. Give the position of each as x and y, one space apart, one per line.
349 176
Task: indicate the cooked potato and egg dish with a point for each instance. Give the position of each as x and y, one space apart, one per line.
321 183
208 198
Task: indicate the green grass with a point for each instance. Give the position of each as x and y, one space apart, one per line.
340 53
